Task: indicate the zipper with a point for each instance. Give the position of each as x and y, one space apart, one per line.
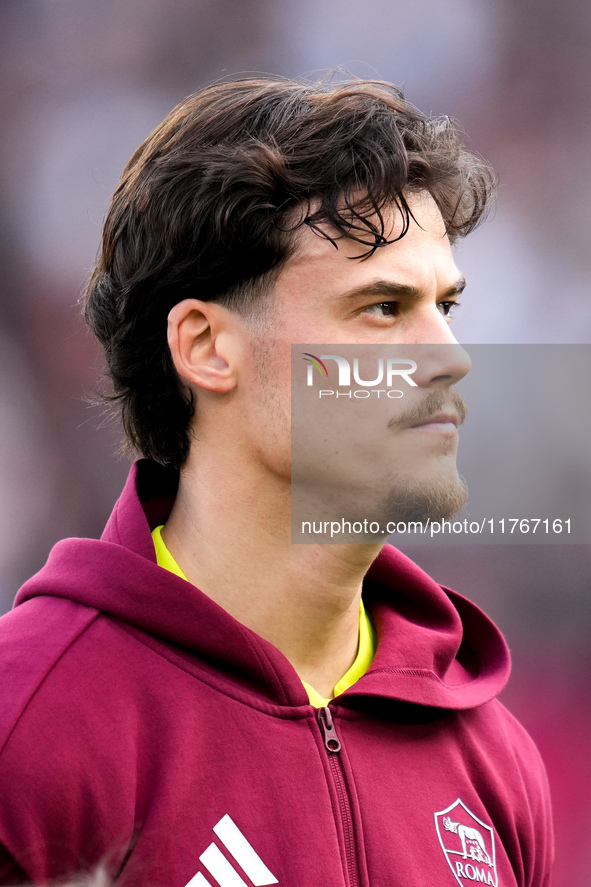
332 744
331 740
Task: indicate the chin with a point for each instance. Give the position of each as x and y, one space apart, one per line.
433 499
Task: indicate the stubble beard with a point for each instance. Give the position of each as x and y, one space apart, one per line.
423 502
440 496
406 501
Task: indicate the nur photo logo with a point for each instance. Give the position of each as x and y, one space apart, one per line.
387 371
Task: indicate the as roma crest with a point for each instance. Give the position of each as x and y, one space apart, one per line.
468 845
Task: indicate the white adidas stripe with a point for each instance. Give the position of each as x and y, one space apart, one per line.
246 857
217 865
198 881
243 853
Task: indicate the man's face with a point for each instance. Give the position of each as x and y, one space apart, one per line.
401 295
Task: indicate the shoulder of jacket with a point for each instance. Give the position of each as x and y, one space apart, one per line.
514 734
509 742
33 638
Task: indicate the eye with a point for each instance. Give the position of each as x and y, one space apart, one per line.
383 309
448 309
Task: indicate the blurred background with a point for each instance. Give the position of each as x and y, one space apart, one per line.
83 83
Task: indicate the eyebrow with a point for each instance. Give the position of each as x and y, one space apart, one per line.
391 289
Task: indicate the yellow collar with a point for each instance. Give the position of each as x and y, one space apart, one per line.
367 633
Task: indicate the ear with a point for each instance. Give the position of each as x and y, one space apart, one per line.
200 344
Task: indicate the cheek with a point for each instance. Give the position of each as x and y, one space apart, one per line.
270 430
270 377
263 413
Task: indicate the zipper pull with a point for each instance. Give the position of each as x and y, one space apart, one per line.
331 740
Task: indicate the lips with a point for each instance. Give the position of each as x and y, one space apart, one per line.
438 419
441 410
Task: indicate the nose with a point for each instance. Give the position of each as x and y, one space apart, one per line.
440 365
441 360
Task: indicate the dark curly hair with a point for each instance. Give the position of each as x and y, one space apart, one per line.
208 207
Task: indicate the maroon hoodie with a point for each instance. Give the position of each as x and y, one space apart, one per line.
145 729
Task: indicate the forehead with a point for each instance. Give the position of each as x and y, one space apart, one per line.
422 258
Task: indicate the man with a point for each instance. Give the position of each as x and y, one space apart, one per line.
194 699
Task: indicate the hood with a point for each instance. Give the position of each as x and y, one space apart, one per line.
435 648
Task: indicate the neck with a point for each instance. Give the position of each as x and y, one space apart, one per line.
230 533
